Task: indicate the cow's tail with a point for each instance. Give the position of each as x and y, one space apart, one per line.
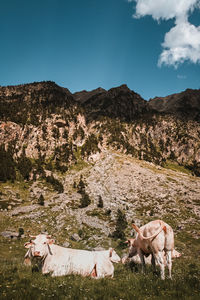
162 227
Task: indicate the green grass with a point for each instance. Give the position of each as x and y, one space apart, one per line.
21 188
100 213
18 282
175 167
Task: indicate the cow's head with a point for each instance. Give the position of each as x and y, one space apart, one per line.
132 247
175 254
125 259
114 257
40 246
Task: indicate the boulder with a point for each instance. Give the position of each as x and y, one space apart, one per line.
10 234
75 237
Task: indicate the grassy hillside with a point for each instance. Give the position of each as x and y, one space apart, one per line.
141 190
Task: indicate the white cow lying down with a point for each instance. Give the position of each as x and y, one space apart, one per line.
59 261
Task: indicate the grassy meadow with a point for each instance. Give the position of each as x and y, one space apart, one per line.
17 281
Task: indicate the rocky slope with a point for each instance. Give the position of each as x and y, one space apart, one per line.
60 153
141 190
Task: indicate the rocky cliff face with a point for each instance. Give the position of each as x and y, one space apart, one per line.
46 123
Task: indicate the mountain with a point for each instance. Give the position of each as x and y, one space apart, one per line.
185 104
119 102
43 121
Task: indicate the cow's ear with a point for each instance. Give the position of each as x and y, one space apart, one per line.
132 242
32 236
110 252
28 245
128 242
51 241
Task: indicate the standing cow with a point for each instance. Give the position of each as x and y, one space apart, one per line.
153 238
61 261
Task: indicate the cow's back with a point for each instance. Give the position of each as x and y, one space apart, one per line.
163 241
81 262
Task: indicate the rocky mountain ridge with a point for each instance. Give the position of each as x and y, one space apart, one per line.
47 123
184 104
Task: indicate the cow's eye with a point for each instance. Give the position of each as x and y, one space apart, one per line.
45 243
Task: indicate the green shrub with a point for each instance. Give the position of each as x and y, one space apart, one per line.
55 183
108 212
21 231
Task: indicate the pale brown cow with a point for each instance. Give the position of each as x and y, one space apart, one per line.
154 238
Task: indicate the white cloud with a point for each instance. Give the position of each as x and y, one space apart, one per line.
182 42
164 9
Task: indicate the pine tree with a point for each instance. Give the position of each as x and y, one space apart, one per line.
100 203
121 224
85 200
81 186
24 166
7 165
41 200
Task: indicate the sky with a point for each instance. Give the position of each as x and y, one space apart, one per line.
153 46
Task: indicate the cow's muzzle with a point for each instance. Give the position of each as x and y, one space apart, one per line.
37 254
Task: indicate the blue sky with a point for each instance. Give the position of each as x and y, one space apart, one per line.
85 44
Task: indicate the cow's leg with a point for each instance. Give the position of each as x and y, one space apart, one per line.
160 261
169 262
94 272
141 255
153 263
